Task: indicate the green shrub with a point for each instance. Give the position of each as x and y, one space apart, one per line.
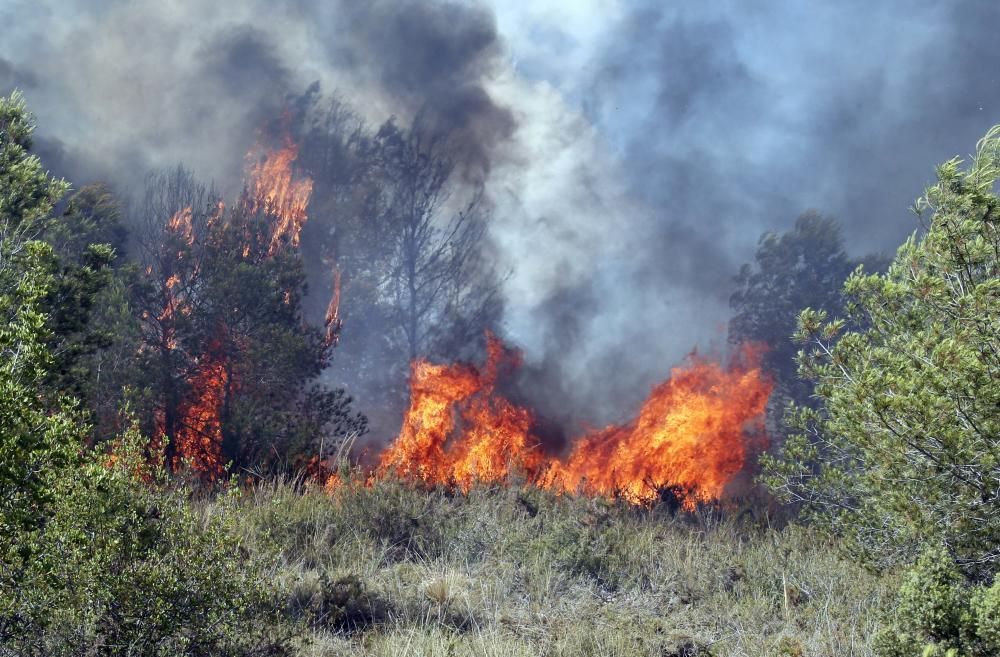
130 567
903 450
941 614
985 608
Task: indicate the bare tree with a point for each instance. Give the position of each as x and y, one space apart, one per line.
439 283
395 217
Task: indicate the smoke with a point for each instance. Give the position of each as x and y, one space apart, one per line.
431 58
122 87
708 124
633 151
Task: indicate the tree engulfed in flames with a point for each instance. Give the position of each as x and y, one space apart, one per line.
690 434
273 189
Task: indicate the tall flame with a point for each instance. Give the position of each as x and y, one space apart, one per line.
457 430
690 434
199 436
277 191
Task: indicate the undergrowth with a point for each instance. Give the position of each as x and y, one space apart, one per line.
392 569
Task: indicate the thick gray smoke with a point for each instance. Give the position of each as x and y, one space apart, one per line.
721 121
633 152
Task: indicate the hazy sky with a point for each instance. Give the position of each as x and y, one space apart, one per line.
635 150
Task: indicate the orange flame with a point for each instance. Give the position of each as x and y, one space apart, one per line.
457 430
199 437
690 434
275 190
181 224
332 320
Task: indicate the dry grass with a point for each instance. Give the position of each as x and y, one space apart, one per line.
515 571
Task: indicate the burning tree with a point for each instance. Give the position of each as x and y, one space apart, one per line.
233 362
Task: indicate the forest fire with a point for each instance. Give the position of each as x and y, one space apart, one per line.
278 192
181 224
458 430
196 425
690 435
199 434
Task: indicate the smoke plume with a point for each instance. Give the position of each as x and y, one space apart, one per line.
633 152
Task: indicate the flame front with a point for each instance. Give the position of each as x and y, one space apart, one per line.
690 434
458 430
277 191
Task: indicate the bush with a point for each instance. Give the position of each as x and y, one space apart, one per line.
904 449
131 567
940 613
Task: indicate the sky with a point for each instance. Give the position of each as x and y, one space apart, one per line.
634 151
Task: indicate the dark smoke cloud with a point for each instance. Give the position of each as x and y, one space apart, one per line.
746 114
432 59
634 154
725 120
135 85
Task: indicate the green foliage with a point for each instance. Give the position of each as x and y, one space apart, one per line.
93 215
908 424
89 240
940 613
98 555
27 192
129 567
39 435
803 267
985 609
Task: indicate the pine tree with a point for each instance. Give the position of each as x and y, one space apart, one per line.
907 424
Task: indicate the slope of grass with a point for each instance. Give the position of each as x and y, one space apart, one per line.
392 570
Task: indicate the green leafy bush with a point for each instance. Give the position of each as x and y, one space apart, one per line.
99 554
131 568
